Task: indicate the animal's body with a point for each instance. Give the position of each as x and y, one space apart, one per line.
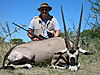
35 51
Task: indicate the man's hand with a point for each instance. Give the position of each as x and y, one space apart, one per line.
57 33
35 39
32 37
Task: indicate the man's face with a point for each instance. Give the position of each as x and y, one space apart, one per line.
44 12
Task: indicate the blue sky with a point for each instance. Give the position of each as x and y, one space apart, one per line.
22 11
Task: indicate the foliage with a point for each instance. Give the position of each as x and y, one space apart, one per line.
95 12
70 34
1 39
16 41
92 33
6 31
95 6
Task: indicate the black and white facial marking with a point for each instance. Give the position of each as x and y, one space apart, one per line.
73 59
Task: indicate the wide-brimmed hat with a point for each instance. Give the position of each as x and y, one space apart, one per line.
46 6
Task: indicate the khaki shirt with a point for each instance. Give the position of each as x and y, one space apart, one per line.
40 27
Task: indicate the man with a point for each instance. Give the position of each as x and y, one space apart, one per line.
44 25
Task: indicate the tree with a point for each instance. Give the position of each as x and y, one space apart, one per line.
16 41
95 12
91 33
5 31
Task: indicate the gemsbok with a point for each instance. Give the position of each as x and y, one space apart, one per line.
61 52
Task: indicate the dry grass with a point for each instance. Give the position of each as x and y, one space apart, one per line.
92 69
90 65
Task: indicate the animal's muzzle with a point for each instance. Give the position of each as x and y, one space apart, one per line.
72 61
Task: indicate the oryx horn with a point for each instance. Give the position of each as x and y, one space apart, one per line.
79 27
65 31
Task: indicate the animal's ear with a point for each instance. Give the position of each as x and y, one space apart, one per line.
61 51
84 52
88 53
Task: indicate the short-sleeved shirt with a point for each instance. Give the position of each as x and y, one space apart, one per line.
55 24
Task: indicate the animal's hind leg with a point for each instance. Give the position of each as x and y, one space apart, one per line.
7 66
21 63
21 66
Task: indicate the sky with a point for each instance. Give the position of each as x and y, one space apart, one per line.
22 11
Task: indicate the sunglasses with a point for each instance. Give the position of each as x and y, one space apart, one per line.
44 9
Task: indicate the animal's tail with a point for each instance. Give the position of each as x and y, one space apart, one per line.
5 57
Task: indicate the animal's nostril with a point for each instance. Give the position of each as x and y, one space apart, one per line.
72 61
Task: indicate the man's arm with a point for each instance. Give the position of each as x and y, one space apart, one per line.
56 28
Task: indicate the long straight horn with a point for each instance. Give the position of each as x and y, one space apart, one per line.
79 27
65 31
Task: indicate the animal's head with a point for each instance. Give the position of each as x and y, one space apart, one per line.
73 54
73 50
71 58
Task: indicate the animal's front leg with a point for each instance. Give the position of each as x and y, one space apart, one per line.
59 61
54 60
